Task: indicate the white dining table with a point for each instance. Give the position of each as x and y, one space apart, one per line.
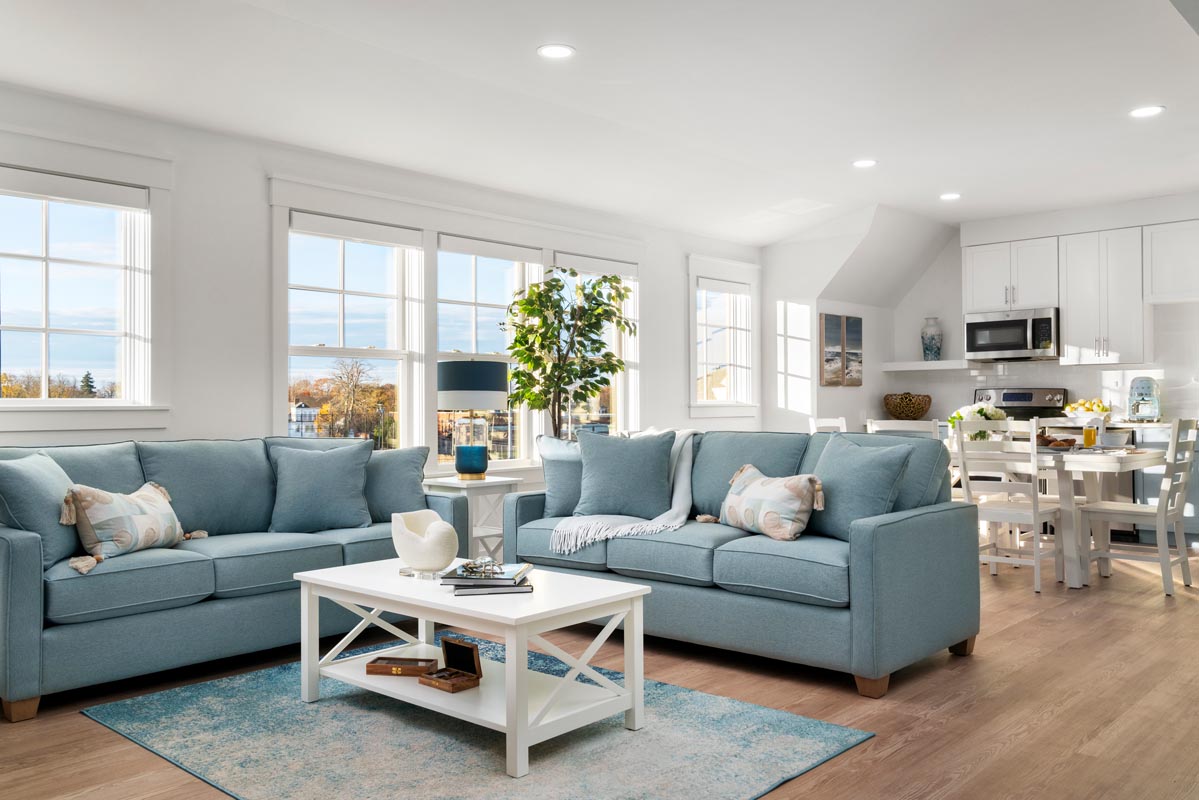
1092 467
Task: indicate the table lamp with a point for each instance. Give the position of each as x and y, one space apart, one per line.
471 386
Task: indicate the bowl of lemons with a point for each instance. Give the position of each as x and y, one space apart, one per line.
1089 409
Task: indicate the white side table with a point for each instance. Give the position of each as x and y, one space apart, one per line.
486 501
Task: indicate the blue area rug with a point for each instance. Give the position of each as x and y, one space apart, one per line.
251 737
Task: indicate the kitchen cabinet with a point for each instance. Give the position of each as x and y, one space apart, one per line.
1010 275
1171 262
1102 313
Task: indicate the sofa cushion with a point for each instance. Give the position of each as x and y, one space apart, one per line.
359 545
562 463
859 482
111 467
925 480
682 556
533 545
719 454
148 580
810 569
219 486
629 477
320 490
32 490
394 478
257 563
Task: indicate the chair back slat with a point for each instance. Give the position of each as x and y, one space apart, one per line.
922 427
1010 447
827 425
1180 458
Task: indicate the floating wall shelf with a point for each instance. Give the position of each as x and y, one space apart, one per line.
925 366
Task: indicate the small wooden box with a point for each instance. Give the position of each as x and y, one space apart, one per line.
407 667
463 669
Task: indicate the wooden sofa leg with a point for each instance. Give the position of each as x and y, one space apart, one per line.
963 648
872 687
20 710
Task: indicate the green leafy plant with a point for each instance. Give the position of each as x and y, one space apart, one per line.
559 340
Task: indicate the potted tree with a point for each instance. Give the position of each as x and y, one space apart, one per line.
559 340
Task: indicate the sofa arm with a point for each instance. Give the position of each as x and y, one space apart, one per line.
519 508
454 509
20 614
913 585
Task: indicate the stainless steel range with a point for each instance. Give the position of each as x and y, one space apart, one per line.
1023 403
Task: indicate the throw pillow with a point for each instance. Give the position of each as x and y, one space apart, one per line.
111 524
562 462
858 482
777 507
31 494
319 490
395 482
628 477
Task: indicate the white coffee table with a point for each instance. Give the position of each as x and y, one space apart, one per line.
530 707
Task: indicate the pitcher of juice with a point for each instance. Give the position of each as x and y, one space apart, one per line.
1090 434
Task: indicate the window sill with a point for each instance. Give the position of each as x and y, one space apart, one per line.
35 417
717 410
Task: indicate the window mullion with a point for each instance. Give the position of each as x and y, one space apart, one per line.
45 300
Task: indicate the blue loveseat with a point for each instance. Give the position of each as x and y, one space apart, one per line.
891 590
155 609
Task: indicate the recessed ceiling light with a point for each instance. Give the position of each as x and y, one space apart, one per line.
865 163
950 196
555 51
1146 111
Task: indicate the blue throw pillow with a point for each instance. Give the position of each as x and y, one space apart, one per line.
562 463
319 490
31 493
630 477
395 482
858 482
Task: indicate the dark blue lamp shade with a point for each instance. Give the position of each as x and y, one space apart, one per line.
471 386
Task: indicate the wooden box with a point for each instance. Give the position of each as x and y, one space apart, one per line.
462 670
407 667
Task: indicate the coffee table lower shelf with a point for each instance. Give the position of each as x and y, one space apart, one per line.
576 704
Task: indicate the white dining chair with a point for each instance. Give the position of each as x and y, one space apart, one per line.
1014 500
930 428
1163 515
827 424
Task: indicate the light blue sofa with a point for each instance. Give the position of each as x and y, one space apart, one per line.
155 609
901 587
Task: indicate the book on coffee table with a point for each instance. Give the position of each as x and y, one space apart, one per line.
468 591
506 575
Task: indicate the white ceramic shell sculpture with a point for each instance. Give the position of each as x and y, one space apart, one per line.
424 541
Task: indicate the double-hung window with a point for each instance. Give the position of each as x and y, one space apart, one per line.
723 324
347 361
74 291
476 281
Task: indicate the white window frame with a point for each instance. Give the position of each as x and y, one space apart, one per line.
408 263
125 181
706 268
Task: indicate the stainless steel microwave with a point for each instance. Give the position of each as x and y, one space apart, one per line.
1018 335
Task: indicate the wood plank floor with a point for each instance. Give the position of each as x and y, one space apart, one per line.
1071 694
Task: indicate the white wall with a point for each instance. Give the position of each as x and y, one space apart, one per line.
220 311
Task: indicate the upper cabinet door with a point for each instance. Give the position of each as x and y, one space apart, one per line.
1122 336
1080 295
1171 262
986 277
1034 273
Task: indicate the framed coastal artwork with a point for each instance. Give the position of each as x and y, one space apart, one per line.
841 351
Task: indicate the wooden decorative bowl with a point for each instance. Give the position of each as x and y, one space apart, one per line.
907 405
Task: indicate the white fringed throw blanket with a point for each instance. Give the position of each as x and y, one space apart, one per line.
575 533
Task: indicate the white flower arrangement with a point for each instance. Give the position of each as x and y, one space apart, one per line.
979 410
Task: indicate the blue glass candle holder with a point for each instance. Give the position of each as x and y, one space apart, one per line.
470 461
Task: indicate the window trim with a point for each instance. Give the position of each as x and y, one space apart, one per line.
699 268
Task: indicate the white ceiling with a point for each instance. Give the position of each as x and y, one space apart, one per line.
733 119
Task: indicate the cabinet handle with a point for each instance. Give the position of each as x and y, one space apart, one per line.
1005 294
1096 347
1013 295
1105 351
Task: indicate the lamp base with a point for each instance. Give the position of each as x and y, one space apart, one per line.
472 476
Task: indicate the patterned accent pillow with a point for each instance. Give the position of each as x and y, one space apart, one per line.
777 507
112 524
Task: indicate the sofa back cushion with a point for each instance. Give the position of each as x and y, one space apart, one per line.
32 490
719 454
111 467
219 486
394 478
925 480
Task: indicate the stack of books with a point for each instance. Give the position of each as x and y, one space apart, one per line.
505 579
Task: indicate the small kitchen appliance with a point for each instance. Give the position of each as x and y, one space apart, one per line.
1023 403
1144 400
1019 335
